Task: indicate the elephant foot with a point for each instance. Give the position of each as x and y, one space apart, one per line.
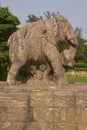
10 80
62 82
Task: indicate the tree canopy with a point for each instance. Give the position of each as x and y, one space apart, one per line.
47 15
81 54
8 23
33 18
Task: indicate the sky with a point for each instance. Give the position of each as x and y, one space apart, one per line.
74 10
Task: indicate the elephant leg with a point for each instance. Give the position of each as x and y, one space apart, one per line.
54 58
18 55
13 72
59 71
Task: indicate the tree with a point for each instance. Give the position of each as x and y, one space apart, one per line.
8 23
33 18
49 15
81 54
78 31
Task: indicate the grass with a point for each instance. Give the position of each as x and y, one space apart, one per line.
76 79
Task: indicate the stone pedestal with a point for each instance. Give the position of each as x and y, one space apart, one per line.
43 108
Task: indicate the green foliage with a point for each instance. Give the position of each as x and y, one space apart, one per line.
78 31
22 77
47 14
8 23
62 47
81 54
33 18
80 67
4 60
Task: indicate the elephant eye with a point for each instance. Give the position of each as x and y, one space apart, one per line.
44 32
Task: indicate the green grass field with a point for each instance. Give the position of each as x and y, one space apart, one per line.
76 79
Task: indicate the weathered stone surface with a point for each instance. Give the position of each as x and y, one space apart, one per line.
82 126
50 114
14 126
3 114
64 98
81 99
19 114
13 99
33 48
81 115
71 114
64 126
41 99
25 108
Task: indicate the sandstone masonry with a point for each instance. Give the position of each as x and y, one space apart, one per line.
47 108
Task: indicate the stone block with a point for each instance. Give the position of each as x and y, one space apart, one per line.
3 114
45 126
64 126
19 114
14 99
64 98
43 114
81 115
14 126
41 99
81 99
40 126
70 114
82 126
49 114
5 125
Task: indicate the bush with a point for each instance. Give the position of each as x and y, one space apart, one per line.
79 67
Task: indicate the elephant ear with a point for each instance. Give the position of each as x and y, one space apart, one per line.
60 26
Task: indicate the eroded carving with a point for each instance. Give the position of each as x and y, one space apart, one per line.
36 45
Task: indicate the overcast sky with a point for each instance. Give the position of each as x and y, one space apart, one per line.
74 10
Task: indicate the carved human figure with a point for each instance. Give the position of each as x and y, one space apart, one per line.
36 44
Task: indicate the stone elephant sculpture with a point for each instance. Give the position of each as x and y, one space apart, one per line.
36 44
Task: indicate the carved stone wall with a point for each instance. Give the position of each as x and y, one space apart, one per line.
47 108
